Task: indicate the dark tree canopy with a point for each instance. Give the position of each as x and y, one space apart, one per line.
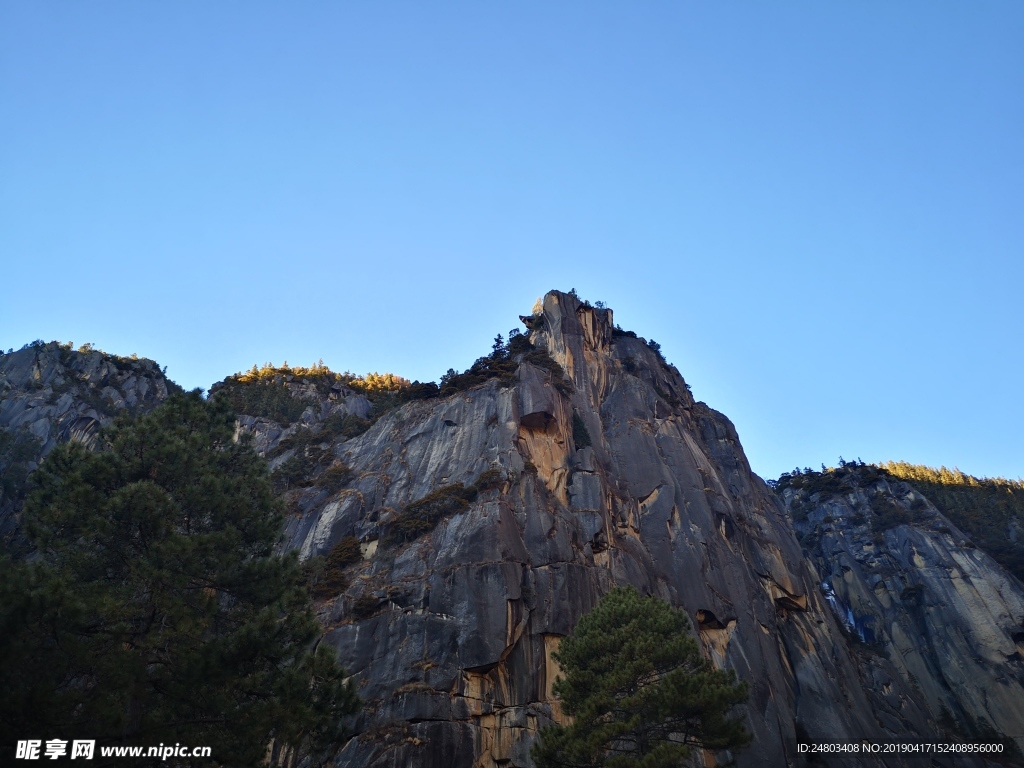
639 691
156 609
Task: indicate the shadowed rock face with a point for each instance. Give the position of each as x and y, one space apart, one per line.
941 612
50 393
451 635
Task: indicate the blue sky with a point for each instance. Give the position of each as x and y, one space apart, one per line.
816 208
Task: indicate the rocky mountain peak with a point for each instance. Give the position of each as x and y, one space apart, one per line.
453 533
567 318
600 470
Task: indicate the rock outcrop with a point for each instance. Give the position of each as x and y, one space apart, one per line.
51 393
610 475
493 514
908 585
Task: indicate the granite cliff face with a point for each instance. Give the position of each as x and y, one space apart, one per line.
491 516
913 588
50 393
451 635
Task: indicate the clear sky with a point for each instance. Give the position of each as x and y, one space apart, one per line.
816 208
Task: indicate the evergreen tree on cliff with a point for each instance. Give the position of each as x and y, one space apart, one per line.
638 690
156 609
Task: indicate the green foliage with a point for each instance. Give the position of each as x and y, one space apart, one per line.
639 691
264 391
299 468
828 483
326 575
388 392
335 477
346 425
420 391
266 398
518 343
365 607
423 515
502 364
542 359
656 348
157 609
580 435
489 479
987 509
300 440
888 514
289 474
498 365
19 449
310 457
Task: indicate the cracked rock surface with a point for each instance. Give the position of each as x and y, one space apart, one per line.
451 635
915 591
610 475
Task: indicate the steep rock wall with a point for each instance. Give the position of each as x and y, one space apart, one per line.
911 586
451 635
610 475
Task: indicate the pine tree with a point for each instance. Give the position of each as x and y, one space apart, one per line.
639 691
156 609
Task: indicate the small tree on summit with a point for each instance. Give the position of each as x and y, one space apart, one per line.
639 691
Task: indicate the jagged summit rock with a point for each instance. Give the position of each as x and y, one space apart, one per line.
60 393
610 474
457 532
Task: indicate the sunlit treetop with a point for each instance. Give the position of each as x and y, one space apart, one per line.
371 382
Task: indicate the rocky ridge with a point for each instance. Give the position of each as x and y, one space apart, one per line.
610 473
910 586
51 393
480 522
